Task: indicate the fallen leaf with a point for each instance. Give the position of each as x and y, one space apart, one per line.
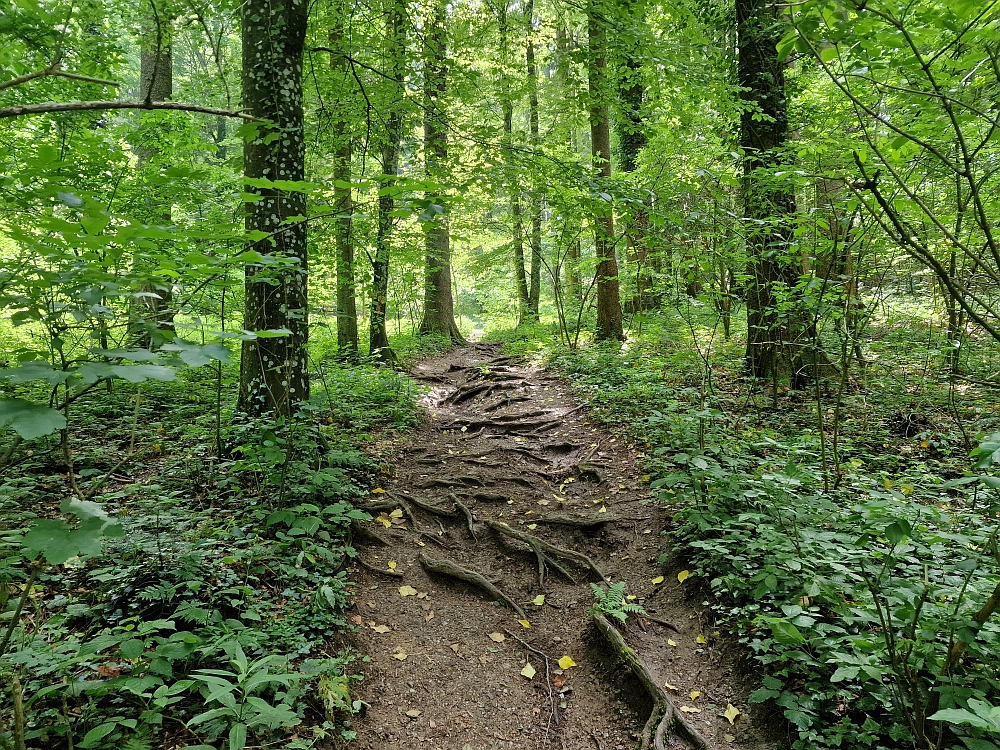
729 737
356 619
539 600
407 591
731 713
630 597
532 526
455 646
668 686
384 520
658 579
528 671
398 513
429 616
497 637
378 491
381 628
422 595
695 695
683 575
558 681
604 509
413 713
566 662
671 642
543 502
391 564
690 710
401 656
524 623
701 639
420 544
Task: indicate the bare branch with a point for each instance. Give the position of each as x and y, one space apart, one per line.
53 70
93 106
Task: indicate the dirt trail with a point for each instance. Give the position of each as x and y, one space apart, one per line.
508 442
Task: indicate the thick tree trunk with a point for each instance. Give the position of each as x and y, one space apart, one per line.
395 41
773 348
156 84
274 376
609 308
439 313
347 309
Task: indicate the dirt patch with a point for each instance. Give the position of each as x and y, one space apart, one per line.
505 447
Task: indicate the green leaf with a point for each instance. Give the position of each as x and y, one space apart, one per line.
132 649
98 733
786 633
238 736
141 373
195 355
30 420
898 530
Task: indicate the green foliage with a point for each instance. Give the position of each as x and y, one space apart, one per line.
613 603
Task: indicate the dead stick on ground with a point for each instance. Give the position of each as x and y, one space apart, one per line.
381 571
567 554
453 569
553 704
664 713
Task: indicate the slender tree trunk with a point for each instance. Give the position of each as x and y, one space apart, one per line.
567 131
609 308
347 309
768 203
534 290
274 376
395 42
439 314
156 84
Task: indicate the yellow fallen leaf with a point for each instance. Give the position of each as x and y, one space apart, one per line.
731 713
392 564
407 591
604 509
384 520
539 600
401 656
701 639
658 579
454 647
413 713
630 597
683 575
429 616
524 623
532 526
381 628
420 544
566 662
729 737
671 642
690 710
668 686
378 491
398 513
695 695
497 637
528 671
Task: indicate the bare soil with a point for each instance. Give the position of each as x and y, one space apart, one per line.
508 441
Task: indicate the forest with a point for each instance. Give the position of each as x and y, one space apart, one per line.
500 374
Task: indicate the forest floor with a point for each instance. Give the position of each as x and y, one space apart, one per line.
508 442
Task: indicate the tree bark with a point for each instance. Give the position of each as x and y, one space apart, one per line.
768 202
534 289
347 309
274 377
395 43
609 308
439 307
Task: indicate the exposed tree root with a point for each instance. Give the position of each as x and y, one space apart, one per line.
465 480
567 554
380 506
469 518
362 533
436 510
453 569
436 540
489 497
465 393
506 401
524 427
658 621
380 571
580 520
665 714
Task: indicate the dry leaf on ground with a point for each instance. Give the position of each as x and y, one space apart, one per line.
566 662
407 591
731 713
497 637
683 575
528 671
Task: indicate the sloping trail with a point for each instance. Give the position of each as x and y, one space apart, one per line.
508 442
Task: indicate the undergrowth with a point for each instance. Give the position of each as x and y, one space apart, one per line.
210 617
848 536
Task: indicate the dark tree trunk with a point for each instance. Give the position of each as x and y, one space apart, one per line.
609 307
768 202
156 84
439 312
347 309
395 42
534 289
274 376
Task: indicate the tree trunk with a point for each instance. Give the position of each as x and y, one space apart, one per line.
609 307
534 290
439 315
347 309
274 377
768 202
395 42
156 84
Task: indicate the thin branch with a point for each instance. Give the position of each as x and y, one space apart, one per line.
53 70
94 106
